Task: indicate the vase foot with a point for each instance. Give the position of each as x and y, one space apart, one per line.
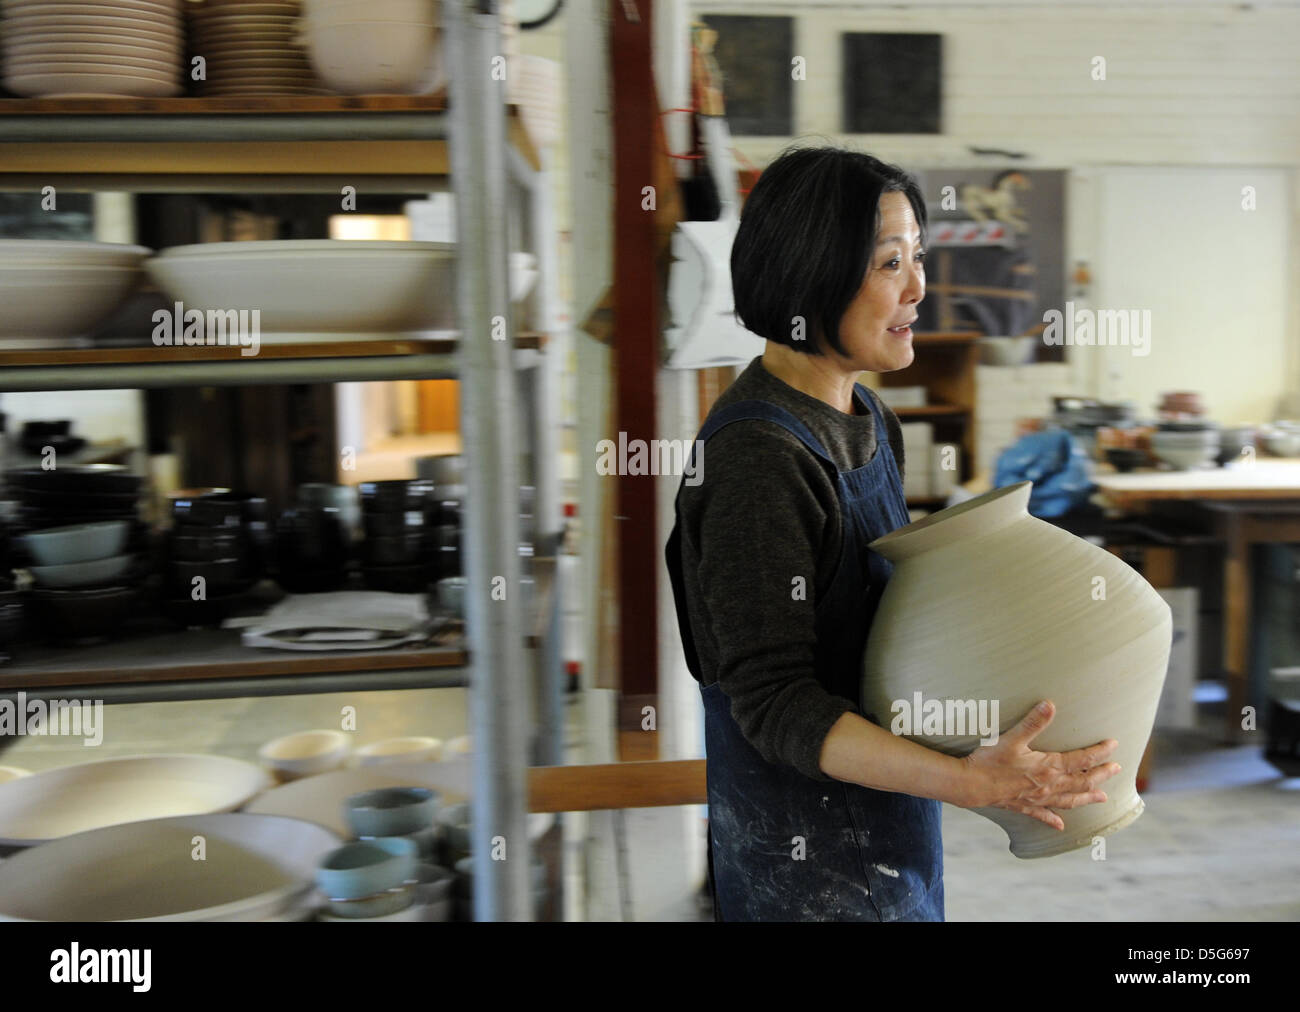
1063 843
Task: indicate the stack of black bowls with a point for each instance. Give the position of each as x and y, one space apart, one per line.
84 546
11 605
311 549
401 548
215 554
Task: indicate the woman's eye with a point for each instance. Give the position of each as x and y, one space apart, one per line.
894 264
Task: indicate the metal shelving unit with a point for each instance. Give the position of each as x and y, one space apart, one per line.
388 144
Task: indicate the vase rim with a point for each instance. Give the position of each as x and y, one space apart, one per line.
908 540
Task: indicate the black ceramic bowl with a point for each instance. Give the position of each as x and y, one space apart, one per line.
1124 459
38 430
218 509
399 579
91 479
11 622
220 576
402 550
312 538
395 496
389 525
65 615
206 544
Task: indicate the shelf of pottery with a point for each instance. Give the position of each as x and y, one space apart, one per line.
330 311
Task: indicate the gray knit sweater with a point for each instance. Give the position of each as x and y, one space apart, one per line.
765 512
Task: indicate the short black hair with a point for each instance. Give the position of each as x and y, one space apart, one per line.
806 238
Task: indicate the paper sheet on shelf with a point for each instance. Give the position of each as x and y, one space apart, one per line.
349 620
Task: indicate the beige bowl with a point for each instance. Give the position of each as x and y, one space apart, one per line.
49 300
8 773
305 754
392 750
375 57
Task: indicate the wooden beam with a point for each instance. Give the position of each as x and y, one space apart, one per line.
616 785
636 338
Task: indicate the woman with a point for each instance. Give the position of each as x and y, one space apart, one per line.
815 811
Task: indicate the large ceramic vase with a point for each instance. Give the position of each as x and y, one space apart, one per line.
987 603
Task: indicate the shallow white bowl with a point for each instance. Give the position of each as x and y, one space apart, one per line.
340 288
54 301
375 57
8 773
306 753
254 867
74 799
395 750
92 85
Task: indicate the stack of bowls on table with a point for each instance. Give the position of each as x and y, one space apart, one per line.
215 553
455 822
129 48
382 879
249 49
402 545
389 873
383 47
1186 445
344 498
311 550
54 292
1181 406
86 580
1282 438
11 616
318 289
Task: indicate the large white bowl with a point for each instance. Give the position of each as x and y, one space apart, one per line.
62 546
339 287
375 57
306 753
422 11
8 773
43 253
74 799
50 300
253 867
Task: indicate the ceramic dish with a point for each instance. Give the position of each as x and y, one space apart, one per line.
52 301
306 753
83 614
82 574
254 867
74 799
61 546
374 57
8 773
391 750
391 811
356 871
349 287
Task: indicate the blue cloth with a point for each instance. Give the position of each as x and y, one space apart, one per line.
1056 464
785 847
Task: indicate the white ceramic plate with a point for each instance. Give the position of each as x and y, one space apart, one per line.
94 85
62 52
140 10
254 867
74 799
103 37
153 70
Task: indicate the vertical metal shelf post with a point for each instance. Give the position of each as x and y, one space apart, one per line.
499 684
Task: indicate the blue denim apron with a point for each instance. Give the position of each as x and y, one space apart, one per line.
785 847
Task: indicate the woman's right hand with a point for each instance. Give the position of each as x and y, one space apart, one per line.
1012 775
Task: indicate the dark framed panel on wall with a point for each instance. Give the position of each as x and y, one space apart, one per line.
892 83
754 55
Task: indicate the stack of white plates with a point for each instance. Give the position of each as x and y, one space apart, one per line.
127 48
249 49
53 291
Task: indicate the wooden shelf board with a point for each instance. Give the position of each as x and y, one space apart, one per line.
197 654
250 105
150 355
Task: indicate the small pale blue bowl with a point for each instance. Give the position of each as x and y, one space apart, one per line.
359 870
391 811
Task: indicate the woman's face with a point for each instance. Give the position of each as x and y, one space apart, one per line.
887 300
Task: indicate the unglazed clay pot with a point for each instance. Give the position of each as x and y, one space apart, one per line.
989 603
